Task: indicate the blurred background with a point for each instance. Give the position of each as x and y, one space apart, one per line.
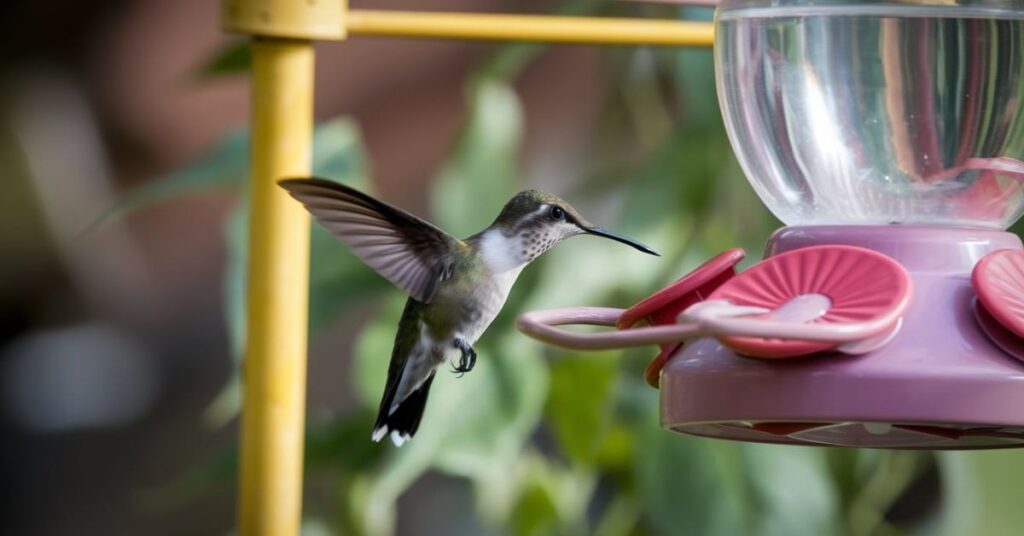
122 240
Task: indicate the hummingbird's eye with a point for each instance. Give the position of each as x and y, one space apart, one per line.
557 213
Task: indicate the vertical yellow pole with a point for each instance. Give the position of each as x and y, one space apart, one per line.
273 414
275 362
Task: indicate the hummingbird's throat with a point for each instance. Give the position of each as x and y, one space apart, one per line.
502 252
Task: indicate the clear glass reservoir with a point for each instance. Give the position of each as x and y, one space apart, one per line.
847 112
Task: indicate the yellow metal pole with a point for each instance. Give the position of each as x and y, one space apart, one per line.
273 415
555 29
273 411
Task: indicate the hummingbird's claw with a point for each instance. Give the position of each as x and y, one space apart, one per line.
468 359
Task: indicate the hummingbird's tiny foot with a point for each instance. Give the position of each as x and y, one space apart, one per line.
468 359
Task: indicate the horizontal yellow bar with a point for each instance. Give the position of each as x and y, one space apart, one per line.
549 28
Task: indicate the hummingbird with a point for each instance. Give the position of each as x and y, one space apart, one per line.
456 287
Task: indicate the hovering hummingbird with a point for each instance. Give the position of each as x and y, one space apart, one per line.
456 287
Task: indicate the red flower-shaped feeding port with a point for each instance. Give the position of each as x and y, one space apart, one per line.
664 306
851 285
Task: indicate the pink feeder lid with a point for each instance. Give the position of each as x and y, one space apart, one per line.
999 281
664 306
861 285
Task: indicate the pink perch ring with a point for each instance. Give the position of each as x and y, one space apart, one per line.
764 311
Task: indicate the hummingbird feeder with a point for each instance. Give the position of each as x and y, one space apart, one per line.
889 312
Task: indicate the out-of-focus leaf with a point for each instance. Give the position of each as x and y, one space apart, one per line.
500 410
620 517
344 443
791 492
682 488
481 174
236 237
372 351
553 499
340 443
233 58
315 527
981 493
223 167
535 513
337 153
578 407
733 488
216 472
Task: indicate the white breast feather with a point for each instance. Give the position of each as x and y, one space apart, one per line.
501 255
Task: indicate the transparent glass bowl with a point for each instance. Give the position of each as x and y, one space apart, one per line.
877 113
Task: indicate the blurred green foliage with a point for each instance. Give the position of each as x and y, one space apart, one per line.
557 443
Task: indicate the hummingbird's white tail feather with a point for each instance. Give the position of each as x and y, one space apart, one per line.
404 420
399 439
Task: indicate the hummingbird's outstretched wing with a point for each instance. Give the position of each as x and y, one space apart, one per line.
406 250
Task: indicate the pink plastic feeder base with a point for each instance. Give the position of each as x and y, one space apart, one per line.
941 383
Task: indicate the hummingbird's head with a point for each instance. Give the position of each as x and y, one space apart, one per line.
533 222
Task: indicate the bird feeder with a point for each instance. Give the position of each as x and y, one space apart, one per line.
889 312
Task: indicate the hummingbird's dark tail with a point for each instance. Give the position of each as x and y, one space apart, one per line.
402 423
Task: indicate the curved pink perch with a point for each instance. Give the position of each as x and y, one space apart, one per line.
829 334
541 325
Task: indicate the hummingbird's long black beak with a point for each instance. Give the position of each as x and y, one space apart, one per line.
601 231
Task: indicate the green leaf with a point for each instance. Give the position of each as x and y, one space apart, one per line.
552 499
337 153
340 443
234 58
791 493
481 174
372 350
579 406
236 237
536 512
682 487
981 493
224 167
497 411
711 487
